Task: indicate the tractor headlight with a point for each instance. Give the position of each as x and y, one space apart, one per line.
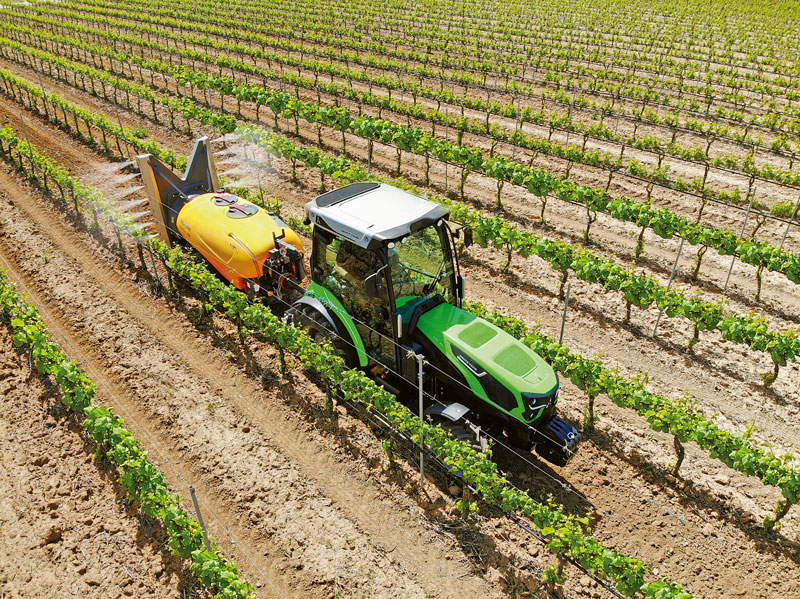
539 404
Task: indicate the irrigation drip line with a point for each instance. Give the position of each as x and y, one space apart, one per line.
524 526
410 454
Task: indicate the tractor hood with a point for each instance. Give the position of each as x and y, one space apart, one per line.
498 367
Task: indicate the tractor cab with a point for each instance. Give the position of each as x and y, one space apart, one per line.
380 251
386 288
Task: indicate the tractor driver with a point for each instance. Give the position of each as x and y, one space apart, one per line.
357 263
402 281
352 266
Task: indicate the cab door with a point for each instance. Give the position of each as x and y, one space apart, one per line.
342 267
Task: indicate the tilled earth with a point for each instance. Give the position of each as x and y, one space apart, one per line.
65 528
313 519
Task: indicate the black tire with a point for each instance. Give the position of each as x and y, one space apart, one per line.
461 431
321 331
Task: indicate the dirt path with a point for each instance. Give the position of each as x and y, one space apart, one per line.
306 519
64 529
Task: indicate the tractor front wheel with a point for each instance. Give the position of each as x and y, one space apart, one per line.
461 430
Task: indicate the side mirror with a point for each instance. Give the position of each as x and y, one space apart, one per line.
374 285
460 286
467 236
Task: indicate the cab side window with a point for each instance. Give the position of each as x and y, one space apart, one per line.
344 267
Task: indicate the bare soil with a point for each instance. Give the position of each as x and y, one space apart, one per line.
162 363
66 528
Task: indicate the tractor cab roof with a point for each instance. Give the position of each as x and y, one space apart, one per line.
370 214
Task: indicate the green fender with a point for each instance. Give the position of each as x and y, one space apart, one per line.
330 301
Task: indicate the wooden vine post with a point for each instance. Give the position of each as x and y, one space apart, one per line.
679 453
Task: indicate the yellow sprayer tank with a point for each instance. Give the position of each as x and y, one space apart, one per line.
234 235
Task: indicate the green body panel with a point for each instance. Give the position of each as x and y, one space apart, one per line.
512 363
319 292
508 360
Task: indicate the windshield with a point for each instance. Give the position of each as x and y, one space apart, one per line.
420 266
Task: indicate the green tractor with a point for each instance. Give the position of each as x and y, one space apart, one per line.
386 290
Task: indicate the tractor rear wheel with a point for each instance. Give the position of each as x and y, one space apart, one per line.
320 331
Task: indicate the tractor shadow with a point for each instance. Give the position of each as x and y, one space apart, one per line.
530 473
